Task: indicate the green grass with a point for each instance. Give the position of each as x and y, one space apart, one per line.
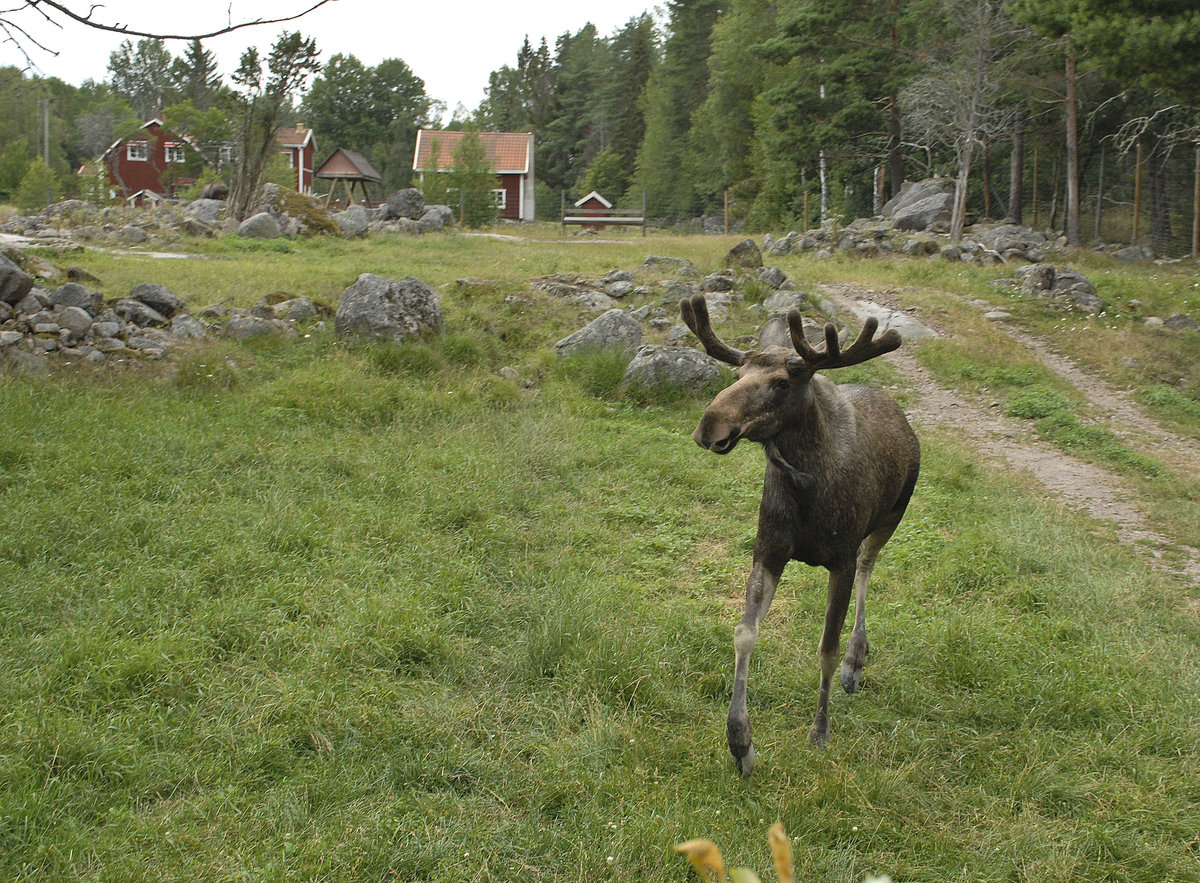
307 610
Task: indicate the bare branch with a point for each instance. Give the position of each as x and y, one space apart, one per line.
127 31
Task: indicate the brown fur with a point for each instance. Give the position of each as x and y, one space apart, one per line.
842 462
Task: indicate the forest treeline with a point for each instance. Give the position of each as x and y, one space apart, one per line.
787 112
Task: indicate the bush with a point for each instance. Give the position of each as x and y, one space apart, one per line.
37 188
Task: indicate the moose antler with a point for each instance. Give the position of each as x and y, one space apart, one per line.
863 348
695 314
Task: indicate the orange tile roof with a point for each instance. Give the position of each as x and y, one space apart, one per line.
508 151
293 137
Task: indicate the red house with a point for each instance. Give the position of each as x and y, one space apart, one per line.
300 148
150 164
511 155
592 204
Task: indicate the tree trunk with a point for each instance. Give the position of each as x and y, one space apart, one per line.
958 216
895 154
1016 171
1073 236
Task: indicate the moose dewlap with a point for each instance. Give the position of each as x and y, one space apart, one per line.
842 462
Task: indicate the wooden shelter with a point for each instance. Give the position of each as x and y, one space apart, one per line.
349 169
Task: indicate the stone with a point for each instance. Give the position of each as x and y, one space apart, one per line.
15 283
247 327
612 330
434 218
30 364
619 289
131 234
781 302
745 254
158 298
206 211
184 327
353 221
260 226
75 320
75 295
298 309
717 282
680 266
1182 322
379 308
671 367
9 338
408 203
772 277
1134 253
138 313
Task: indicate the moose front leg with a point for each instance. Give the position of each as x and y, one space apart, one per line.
760 589
856 652
841 581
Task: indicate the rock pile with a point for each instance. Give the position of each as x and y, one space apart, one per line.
73 322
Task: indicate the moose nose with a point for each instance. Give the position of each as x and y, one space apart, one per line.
718 436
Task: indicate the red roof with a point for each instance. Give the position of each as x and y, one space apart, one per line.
511 153
297 137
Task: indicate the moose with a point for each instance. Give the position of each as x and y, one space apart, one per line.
842 462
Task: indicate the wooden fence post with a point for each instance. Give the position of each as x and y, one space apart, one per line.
1137 195
1196 210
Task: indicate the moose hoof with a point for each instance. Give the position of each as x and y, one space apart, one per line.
819 734
746 762
851 676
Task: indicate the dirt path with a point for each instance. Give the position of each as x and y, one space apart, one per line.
1006 440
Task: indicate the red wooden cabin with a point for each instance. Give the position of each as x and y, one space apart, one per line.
150 163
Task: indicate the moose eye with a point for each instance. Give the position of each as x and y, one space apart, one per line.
781 385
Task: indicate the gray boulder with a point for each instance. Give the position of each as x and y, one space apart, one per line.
1182 322
75 295
680 266
131 234
298 309
184 327
388 309
353 221
924 205
207 211
247 327
75 320
613 330
138 313
671 367
780 302
434 218
15 283
408 203
1134 253
159 298
745 254
260 226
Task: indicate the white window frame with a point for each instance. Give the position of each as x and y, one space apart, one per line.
175 152
500 198
137 151
225 155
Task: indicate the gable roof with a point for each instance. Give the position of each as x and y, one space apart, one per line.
350 165
596 196
296 138
163 132
511 153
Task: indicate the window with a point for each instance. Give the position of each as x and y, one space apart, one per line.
175 152
500 199
225 155
291 158
136 150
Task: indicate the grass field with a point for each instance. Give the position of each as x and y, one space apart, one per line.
308 610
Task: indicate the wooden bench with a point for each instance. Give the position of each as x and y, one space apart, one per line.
612 217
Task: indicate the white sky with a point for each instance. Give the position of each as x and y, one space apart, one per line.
450 44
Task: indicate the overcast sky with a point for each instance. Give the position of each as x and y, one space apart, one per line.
450 44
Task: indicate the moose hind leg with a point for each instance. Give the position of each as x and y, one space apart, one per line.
857 649
841 580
